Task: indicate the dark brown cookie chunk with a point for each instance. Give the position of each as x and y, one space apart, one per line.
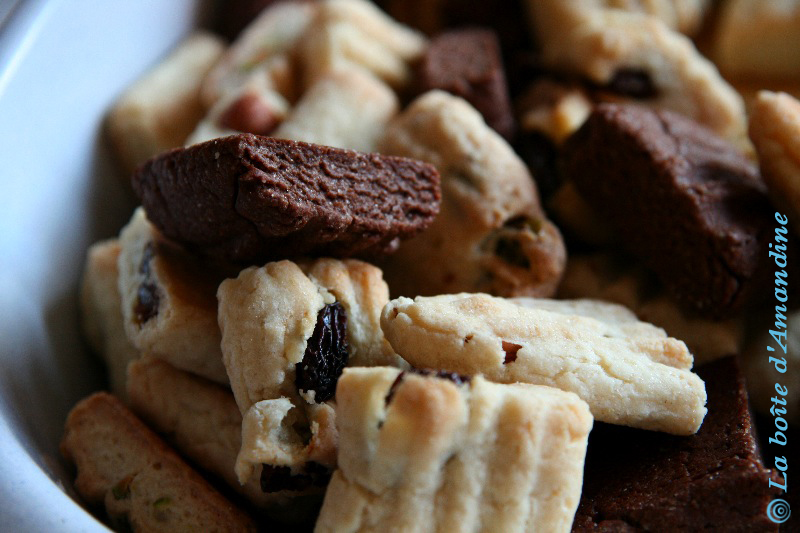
247 198
681 199
637 480
467 63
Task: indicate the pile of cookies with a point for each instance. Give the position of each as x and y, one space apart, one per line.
346 302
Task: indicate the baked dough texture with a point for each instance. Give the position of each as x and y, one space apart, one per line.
629 372
422 453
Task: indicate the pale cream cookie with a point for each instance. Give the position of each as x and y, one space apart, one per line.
775 132
491 234
201 419
169 301
430 453
629 372
101 313
754 38
160 110
287 331
612 279
346 108
637 54
143 484
356 33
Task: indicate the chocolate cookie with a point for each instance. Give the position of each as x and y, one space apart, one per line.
467 63
643 481
247 198
681 199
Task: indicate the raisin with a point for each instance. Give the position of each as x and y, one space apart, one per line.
510 250
511 350
147 298
633 82
458 379
326 354
278 478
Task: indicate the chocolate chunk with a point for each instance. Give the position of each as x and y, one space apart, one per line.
681 199
250 199
326 354
467 63
639 480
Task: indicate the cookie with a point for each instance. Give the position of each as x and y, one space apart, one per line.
681 199
758 39
288 330
169 301
101 313
467 63
356 34
463 455
246 198
775 132
201 419
265 46
143 484
629 372
159 111
618 279
637 57
347 108
492 234
643 481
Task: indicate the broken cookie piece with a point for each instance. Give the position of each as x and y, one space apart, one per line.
467 63
681 199
246 198
629 372
642 481
169 300
288 330
143 484
461 454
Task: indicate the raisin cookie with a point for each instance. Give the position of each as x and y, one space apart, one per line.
101 313
143 484
460 454
637 56
775 132
287 333
492 234
168 301
246 198
629 372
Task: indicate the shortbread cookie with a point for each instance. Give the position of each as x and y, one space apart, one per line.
463 455
629 372
643 481
346 108
266 45
775 132
247 198
758 39
201 419
492 234
467 63
681 199
356 34
618 280
287 333
638 56
168 301
142 483
763 374
101 313
160 110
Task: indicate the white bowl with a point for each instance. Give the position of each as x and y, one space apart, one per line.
61 65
